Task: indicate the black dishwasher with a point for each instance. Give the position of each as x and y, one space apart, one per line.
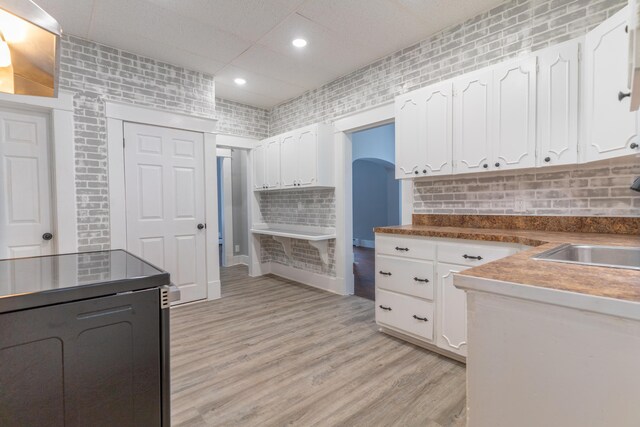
84 341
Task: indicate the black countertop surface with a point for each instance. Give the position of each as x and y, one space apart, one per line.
39 281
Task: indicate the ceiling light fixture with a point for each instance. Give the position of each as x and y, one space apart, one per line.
240 81
299 42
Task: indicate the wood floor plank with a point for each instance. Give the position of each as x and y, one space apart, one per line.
272 352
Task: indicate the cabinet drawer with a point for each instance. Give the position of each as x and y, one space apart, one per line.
405 313
405 276
405 247
472 255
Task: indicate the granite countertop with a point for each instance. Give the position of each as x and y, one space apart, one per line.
522 269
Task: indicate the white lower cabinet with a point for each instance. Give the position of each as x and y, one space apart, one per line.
406 313
415 294
452 311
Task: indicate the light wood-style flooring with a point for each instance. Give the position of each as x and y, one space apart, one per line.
273 352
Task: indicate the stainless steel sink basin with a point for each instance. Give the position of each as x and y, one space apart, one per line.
603 256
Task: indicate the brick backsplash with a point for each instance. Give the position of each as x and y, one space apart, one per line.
598 189
512 28
95 73
239 119
315 207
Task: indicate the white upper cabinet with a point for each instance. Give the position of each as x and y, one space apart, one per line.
300 158
259 169
409 149
307 144
514 115
437 113
558 73
272 164
610 129
424 132
288 161
472 124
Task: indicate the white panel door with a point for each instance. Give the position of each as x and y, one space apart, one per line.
288 161
437 113
514 115
307 141
410 152
558 104
164 172
25 198
452 311
272 157
611 130
259 167
472 120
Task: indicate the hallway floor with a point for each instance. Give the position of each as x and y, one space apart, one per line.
364 265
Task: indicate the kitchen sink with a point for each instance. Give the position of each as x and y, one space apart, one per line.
603 256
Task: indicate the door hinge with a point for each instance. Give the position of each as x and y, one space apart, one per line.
123 141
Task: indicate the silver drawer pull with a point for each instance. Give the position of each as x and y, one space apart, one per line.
385 273
421 280
424 319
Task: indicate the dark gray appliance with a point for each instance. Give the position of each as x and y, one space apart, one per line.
84 341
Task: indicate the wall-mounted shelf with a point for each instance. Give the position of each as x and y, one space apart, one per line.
317 237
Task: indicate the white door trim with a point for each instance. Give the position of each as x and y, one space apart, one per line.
62 162
344 127
117 114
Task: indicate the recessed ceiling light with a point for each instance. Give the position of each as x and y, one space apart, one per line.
240 81
299 42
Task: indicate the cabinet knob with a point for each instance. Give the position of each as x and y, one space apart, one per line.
424 171
486 165
633 145
622 95
497 164
417 172
547 159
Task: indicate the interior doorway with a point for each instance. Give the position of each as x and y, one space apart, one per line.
376 199
233 238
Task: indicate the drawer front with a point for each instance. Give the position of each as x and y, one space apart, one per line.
470 254
405 313
405 276
405 247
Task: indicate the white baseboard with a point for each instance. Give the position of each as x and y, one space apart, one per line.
364 243
320 281
213 290
238 259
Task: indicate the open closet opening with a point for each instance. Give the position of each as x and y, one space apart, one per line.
376 199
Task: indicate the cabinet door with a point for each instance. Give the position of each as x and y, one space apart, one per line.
410 153
259 162
272 155
436 129
610 128
472 122
307 141
558 105
288 161
452 311
514 120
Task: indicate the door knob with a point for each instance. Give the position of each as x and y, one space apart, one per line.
622 95
201 226
47 236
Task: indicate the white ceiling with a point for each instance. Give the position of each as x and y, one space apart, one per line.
252 38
